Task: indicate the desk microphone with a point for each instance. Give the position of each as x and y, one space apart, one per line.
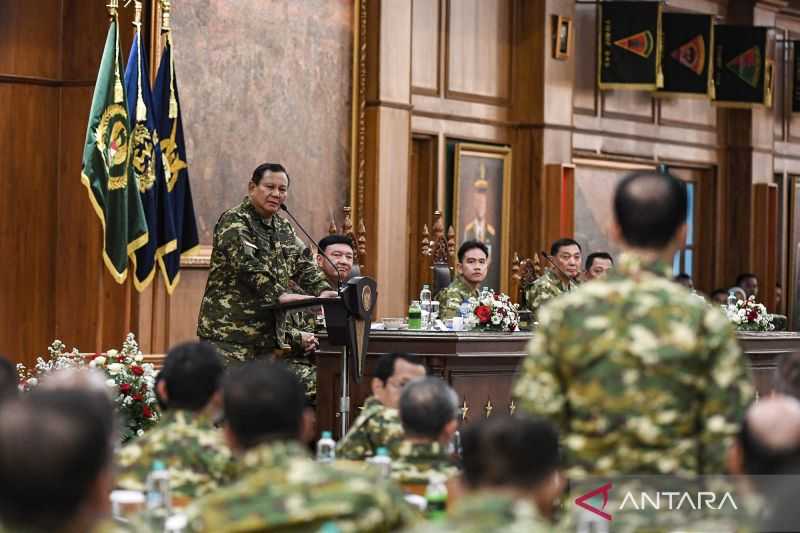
550 260
338 274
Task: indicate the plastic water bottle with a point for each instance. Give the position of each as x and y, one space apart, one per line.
326 448
382 462
414 315
159 503
464 309
731 299
436 497
425 302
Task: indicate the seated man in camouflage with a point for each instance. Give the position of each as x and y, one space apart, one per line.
378 425
285 490
566 254
472 268
300 325
428 411
185 439
511 473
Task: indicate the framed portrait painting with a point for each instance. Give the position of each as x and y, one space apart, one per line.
481 189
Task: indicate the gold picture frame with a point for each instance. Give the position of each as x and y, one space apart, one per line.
483 173
562 37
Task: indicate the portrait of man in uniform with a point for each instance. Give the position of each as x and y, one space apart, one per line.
480 189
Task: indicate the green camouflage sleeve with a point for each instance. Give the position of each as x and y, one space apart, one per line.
539 389
728 391
356 444
449 303
239 247
307 273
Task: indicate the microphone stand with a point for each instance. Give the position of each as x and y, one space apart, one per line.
344 400
564 274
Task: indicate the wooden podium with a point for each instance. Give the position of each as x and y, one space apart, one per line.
348 319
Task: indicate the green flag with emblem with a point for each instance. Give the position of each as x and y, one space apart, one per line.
106 171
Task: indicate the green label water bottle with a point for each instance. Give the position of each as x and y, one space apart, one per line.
414 315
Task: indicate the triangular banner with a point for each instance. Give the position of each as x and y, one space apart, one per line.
692 55
747 66
641 44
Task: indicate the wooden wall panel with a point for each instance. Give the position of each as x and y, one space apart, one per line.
394 69
636 106
29 38
691 113
479 50
28 168
184 306
585 89
425 52
765 251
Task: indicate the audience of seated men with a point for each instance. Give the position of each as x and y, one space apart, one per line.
471 269
284 489
429 413
512 478
56 449
185 439
378 425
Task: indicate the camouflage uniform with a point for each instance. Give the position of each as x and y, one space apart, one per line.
193 450
298 361
414 462
639 375
451 297
545 288
287 491
252 263
487 512
376 427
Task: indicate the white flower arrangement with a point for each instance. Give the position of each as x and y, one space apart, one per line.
748 315
492 311
132 381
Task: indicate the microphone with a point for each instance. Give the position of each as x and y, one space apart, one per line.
550 260
338 274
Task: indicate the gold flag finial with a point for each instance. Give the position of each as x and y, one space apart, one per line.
464 410
137 14
113 7
165 12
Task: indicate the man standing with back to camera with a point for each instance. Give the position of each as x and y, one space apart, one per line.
255 256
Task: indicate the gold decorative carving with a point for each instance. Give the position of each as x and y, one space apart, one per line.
512 407
464 410
488 408
358 141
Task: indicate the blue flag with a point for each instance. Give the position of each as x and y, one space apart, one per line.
148 168
170 132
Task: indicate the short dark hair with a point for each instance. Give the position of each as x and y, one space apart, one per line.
261 169
53 446
743 276
758 459
192 373
786 379
263 401
335 239
384 369
8 379
649 207
598 255
682 275
513 451
560 243
426 406
466 246
718 291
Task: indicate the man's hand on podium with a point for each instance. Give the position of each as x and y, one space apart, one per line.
329 294
289 297
309 342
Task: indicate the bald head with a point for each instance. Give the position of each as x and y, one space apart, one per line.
650 208
770 436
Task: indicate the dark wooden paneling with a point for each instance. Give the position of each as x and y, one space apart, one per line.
29 38
421 204
28 170
765 245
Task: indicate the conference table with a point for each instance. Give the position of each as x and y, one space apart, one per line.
481 366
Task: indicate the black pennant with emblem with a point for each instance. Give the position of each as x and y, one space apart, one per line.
740 65
629 47
687 53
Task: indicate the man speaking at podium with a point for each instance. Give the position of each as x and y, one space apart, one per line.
255 255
